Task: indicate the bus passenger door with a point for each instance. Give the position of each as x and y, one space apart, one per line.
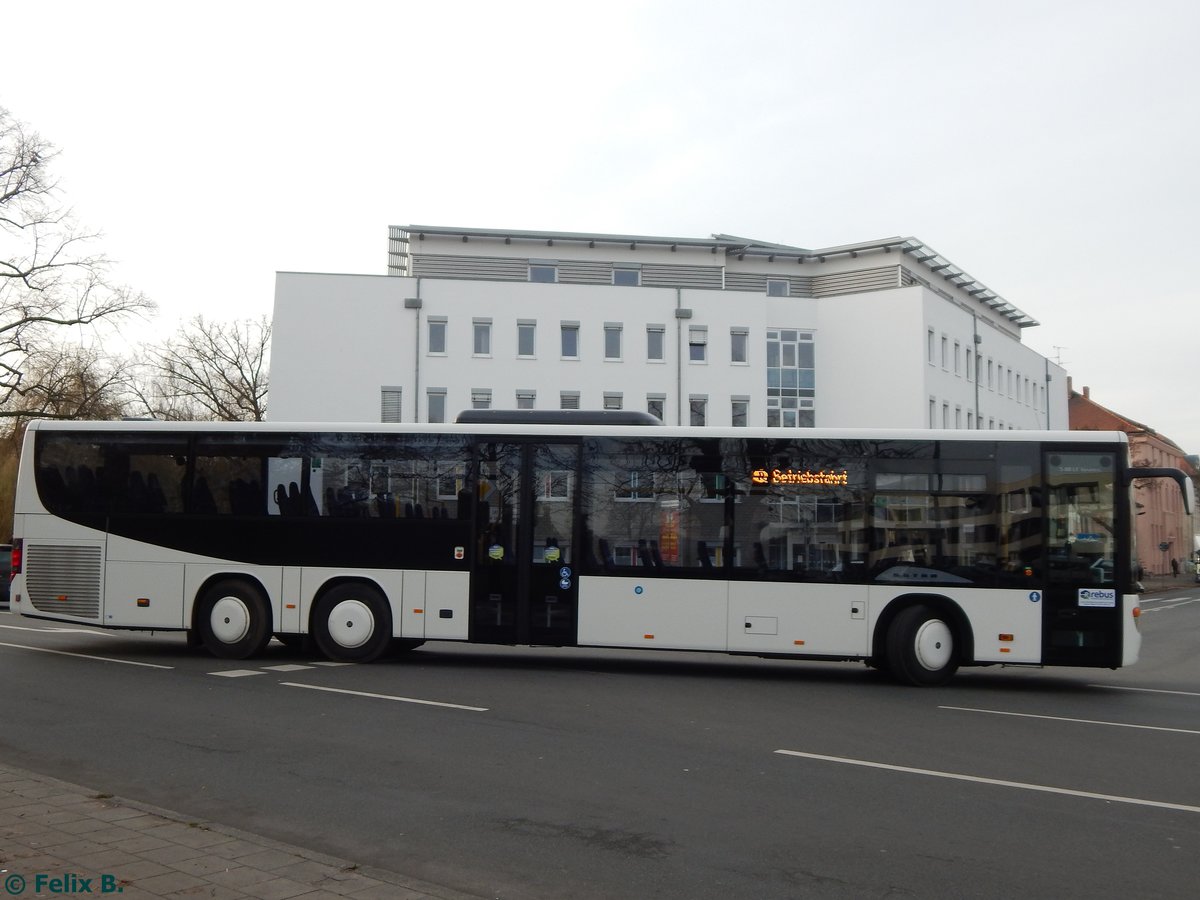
1082 607
523 581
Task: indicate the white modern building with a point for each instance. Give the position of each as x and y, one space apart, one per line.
717 331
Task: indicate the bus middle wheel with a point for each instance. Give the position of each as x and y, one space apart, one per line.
352 623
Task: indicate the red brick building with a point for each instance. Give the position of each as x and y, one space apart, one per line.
1161 517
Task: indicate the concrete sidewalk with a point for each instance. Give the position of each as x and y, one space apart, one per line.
60 839
1153 584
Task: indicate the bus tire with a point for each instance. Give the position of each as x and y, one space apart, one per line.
233 619
352 623
921 647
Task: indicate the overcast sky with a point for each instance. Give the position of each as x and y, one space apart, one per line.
1049 149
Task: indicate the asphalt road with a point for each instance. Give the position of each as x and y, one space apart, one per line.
523 773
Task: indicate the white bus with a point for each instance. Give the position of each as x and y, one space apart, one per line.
920 552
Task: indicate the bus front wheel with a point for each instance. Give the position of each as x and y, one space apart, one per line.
352 623
920 647
234 620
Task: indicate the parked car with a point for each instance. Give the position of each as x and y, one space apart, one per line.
5 573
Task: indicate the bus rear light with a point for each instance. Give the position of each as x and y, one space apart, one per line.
1137 612
1006 637
17 547
62 597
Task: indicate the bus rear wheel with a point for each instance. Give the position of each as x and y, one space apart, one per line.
921 648
234 620
352 623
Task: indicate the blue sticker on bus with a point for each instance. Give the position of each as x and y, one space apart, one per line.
1035 596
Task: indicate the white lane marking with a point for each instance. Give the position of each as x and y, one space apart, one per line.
314 687
1046 789
236 673
289 667
999 712
1115 687
332 664
1173 604
127 662
62 630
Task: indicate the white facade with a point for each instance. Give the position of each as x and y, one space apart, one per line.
887 334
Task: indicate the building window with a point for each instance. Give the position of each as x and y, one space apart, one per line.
958 417
991 383
612 340
791 379
945 415
932 413
945 353
739 345
698 406
778 287
655 341
969 365
389 404
437 336
526 332
435 401
698 343
545 274
613 401
970 420
627 276
526 399
481 398
929 343
568 400
656 405
482 329
740 411
570 340
957 354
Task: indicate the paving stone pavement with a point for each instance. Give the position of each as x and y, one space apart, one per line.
59 839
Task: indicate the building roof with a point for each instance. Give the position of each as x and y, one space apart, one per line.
741 247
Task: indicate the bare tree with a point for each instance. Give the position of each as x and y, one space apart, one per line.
210 370
49 278
72 383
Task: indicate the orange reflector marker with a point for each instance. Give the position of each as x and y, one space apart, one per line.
1006 637
1006 649
419 611
289 605
648 637
798 643
143 602
61 597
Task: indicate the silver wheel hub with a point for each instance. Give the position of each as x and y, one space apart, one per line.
934 645
229 620
351 624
